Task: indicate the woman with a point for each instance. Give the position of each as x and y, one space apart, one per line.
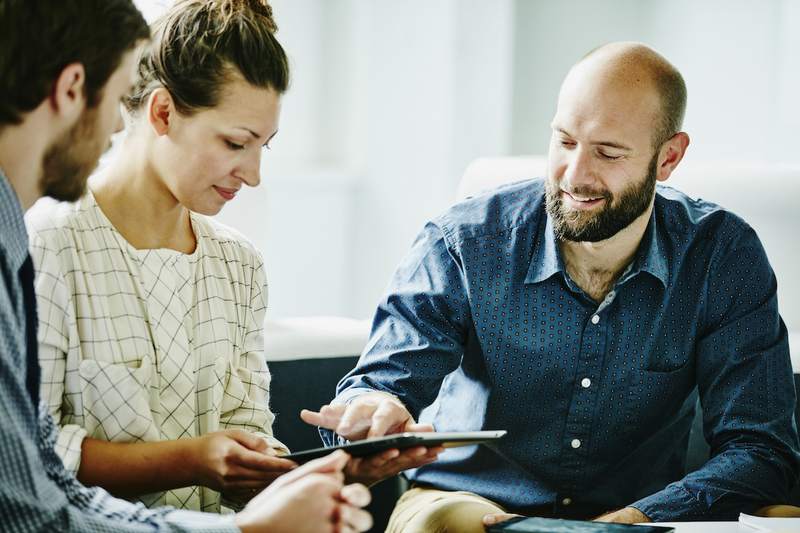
151 314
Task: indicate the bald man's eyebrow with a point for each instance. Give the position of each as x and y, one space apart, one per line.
609 144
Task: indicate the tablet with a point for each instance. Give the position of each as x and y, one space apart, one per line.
362 448
556 525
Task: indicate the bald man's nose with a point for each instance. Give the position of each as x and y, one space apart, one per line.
579 168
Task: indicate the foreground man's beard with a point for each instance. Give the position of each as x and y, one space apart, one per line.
70 159
616 214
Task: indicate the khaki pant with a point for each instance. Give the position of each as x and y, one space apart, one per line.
422 510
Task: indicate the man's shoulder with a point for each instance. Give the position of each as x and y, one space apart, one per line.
494 212
689 218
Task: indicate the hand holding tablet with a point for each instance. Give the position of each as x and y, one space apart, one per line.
401 441
371 416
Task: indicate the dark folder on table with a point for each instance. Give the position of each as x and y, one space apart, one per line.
555 525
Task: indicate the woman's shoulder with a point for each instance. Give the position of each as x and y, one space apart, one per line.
51 220
226 240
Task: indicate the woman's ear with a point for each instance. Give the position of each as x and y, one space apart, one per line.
160 111
68 98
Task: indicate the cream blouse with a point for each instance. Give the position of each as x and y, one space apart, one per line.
148 345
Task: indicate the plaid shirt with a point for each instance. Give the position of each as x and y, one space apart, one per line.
147 345
37 493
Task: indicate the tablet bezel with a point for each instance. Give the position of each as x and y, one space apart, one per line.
367 447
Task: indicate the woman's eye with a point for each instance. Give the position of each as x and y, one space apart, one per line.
234 146
567 144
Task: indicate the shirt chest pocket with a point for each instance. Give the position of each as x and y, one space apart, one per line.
653 397
118 400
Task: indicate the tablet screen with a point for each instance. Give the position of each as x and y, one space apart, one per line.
555 525
363 448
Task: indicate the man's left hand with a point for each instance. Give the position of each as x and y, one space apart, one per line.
370 470
496 518
628 515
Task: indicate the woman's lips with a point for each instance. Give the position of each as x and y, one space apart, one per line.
227 194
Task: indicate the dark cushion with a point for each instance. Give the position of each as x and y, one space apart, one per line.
309 384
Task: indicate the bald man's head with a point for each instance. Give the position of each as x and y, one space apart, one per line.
616 132
632 67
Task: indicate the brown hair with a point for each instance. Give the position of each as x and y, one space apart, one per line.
38 39
672 90
198 45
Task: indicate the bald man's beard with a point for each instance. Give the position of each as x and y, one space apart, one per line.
616 213
70 160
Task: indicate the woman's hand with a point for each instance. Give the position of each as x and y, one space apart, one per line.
235 462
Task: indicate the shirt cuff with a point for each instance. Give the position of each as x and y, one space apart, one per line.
203 522
351 394
68 446
671 504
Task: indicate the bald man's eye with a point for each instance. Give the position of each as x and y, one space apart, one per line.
609 157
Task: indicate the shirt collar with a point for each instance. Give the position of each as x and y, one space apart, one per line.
650 256
547 260
13 237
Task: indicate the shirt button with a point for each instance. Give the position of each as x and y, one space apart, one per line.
586 383
595 319
576 443
566 501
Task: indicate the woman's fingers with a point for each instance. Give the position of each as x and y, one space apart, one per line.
262 461
330 464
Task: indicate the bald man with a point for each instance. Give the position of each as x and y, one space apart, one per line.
581 312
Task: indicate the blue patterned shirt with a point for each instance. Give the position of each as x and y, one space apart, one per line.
36 492
482 328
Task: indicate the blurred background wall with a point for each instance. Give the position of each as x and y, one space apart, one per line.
391 99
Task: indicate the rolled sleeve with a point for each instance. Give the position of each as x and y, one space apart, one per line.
674 501
68 446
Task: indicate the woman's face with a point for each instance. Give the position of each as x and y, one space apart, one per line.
205 158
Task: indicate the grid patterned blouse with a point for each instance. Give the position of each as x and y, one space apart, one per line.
148 345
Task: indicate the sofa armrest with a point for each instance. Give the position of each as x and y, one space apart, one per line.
314 337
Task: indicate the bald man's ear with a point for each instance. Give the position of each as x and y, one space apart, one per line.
671 154
68 98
